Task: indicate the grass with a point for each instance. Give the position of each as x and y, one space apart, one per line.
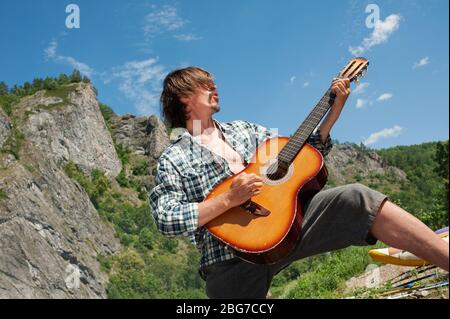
7 103
2 194
16 138
14 142
149 265
324 277
61 92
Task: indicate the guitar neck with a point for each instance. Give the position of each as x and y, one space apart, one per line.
299 138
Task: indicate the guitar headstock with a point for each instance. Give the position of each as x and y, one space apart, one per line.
354 70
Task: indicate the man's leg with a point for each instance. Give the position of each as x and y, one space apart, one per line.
344 216
336 218
397 228
237 279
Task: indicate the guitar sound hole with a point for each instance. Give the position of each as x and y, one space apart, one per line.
276 171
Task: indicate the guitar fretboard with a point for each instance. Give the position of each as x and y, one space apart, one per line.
299 138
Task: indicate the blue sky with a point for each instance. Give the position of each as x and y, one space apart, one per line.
272 60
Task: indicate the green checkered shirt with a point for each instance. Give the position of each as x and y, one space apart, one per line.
188 171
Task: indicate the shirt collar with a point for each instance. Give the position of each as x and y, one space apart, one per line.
185 133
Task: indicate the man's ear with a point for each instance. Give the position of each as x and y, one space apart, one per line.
185 100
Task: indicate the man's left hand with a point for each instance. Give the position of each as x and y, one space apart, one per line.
340 87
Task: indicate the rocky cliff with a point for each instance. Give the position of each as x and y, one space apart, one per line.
50 232
70 129
346 163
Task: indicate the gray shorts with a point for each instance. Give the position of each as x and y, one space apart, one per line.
333 219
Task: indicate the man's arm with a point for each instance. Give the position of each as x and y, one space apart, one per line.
340 87
175 215
243 188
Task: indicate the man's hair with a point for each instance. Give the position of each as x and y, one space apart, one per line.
181 83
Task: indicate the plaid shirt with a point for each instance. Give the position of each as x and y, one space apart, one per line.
187 172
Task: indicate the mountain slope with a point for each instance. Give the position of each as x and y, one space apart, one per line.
50 232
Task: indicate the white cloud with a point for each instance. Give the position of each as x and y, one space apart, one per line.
306 84
140 81
380 34
164 19
384 97
360 88
50 51
386 133
360 103
51 54
187 37
424 61
292 79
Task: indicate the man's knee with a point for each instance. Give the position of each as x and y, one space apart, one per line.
355 195
356 188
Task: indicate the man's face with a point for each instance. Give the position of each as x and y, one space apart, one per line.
204 102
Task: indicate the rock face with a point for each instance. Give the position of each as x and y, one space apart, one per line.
344 162
146 136
50 233
158 138
5 127
75 132
142 135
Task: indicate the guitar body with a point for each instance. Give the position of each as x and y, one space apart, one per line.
267 239
266 228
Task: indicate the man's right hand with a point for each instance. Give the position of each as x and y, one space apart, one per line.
243 188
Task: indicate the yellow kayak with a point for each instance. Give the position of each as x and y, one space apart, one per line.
401 257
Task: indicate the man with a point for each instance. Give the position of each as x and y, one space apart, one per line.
209 151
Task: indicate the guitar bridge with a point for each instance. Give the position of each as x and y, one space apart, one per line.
255 209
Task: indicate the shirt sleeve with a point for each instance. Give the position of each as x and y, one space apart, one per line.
316 140
172 212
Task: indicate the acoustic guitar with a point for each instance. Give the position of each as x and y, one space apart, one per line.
267 227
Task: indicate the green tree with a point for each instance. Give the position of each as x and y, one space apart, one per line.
28 89
86 79
38 84
50 83
18 90
7 101
442 169
75 77
63 79
3 88
107 113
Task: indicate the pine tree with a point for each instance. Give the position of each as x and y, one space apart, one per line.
75 77
17 90
442 169
3 88
63 79
50 83
38 84
27 88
